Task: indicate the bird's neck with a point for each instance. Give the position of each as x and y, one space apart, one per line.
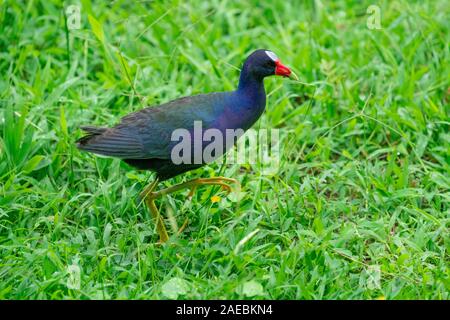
250 84
251 90
248 101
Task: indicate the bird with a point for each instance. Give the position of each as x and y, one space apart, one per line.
144 139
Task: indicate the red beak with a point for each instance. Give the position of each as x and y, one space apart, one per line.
282 70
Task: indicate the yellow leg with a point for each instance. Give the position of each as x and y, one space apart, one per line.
149 195
150 202
193 184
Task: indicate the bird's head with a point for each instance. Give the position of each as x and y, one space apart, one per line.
263 63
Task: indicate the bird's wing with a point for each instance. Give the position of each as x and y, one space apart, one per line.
147 133
155 125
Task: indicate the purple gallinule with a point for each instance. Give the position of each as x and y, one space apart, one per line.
143 139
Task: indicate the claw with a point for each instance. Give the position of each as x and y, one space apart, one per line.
227 188
185 223
191 193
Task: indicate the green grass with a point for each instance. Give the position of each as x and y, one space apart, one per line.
363 183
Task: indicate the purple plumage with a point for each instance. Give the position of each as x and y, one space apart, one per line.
143 139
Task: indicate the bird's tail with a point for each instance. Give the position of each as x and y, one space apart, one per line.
110 142
91 132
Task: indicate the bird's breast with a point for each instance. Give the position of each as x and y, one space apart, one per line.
241 115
